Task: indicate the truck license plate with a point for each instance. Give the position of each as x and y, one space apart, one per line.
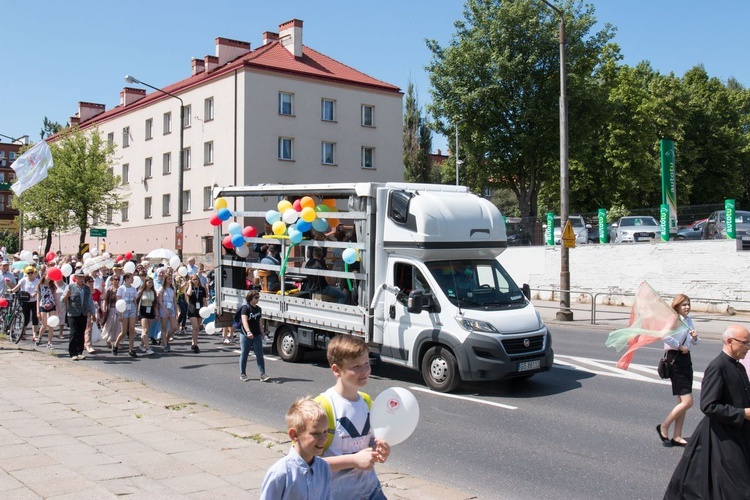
529 365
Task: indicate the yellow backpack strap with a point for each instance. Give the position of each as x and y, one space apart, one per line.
323 401
367 399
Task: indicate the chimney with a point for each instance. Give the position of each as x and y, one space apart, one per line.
270 36
291 36
130 95
229 50
74 121
199 66
211 63
88 110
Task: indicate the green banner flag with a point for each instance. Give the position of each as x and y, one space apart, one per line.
603 235
549 234
664 222
731 226
669 184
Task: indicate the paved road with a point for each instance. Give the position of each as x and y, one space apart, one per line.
583 430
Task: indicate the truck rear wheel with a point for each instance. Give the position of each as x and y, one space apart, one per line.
440 370
287 345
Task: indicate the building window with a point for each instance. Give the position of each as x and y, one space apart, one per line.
208 244
208 109
2 202
186 205
2 177
147 208
124 211
286 103
167 123
286 148
208 198
110 138
110 214
368 157
368 115
208 153
10 200
2 154
165 200
125 137
12 155
149 128
328 110
186 163
186 118
166 163
125 173
147 168
328 153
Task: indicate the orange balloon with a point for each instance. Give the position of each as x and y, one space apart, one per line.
330 202
306 201
332 222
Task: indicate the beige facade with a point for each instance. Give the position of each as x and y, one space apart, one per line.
257 118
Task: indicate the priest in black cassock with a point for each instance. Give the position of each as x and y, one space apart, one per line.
716 462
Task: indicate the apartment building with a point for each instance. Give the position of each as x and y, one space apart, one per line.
9 151
282 112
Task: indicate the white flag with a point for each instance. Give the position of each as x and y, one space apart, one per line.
31 167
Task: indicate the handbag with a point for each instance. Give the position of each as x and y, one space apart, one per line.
664 367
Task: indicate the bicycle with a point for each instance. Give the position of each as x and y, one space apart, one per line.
12 317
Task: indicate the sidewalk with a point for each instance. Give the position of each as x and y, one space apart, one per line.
609 318
69 430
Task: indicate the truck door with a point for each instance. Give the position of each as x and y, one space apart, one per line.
400 326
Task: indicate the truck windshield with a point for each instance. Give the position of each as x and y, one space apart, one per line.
476 284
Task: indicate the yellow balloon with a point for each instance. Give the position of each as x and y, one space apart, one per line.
306 201
279 228
308 214
220 203
284 205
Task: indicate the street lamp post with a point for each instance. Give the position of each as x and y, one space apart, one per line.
564 314
181 173
458 162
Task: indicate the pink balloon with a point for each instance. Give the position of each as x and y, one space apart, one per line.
227 242
214 220
297 205
50 256
55 274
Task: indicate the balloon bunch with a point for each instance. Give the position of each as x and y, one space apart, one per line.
238 238
294 219
222 212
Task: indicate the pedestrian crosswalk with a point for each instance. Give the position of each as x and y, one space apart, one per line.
608 368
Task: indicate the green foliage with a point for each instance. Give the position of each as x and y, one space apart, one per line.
49 128
500 75
9 240
79 187
418 165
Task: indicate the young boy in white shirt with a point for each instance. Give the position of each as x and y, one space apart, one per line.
302 474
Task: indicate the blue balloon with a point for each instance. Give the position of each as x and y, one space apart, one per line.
238 240
349 255
320 225
224 213
295 236
303 226
234 228
272 216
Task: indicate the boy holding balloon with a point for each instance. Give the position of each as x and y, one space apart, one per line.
353 449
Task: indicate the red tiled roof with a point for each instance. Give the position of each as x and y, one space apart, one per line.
270 57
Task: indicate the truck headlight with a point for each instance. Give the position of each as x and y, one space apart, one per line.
474 325
539 319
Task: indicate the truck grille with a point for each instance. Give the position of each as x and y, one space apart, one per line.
516 346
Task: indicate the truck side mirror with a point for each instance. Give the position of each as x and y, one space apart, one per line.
526 289
414 303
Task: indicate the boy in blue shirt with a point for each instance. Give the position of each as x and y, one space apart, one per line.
302 474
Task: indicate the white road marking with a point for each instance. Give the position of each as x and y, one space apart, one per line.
464 398
608 368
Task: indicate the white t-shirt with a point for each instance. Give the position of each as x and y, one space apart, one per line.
352 433
128 294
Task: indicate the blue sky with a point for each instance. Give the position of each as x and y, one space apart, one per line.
55 54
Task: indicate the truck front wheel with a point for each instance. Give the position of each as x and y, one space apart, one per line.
288 347
440 370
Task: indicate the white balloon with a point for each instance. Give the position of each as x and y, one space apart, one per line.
234 228
210 328
137 281
94 252
27 255
66 269
174 262
120 305
53 321
109 263
129 267
242 251
212 307
86 256
394 415
204 312
182 271
106 255
290 216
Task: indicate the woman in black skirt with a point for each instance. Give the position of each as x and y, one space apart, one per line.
678 353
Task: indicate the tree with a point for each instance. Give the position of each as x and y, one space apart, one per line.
49 128
9 240
500 76
418 165
78 189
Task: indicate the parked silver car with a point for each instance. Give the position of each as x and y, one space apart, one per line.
580 228
634 228
716 226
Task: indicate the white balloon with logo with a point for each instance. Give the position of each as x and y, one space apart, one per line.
394 415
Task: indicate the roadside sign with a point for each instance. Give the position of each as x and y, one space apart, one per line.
178 238
97 233
568 236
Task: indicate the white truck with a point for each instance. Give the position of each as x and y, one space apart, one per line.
429 293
